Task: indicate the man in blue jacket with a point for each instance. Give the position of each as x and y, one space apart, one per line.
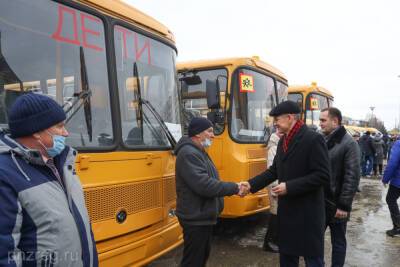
392 176
43 217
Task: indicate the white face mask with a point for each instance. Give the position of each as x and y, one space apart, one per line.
206 143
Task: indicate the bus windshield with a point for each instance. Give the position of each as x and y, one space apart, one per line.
315 103
253 99
40 53
154 80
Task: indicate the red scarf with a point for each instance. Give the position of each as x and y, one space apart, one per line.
287 138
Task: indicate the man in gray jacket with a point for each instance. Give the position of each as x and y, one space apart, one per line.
43 217
199 192
344 154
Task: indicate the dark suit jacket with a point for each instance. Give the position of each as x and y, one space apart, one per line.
301 212
344 154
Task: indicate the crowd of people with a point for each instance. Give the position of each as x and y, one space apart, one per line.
375 148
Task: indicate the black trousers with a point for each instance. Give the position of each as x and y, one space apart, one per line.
391 199
375 167
196 245
293 261
339 243
272 231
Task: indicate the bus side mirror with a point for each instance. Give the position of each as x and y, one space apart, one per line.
191 80
212 92
216 117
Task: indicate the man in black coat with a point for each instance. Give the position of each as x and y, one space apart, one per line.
344 154
368 152
199 192
301 166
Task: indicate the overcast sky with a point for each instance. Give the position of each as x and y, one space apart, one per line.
350 47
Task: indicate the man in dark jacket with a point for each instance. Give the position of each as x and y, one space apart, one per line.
43 217
199 192
368 152
344 154
301 166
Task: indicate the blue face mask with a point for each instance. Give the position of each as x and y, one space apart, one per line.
58 145
206 143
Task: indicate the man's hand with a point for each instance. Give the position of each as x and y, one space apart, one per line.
244 188
280 189
341 214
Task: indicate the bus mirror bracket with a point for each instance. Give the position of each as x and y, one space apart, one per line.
216 117
212 92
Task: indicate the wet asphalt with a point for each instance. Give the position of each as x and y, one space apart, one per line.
238 242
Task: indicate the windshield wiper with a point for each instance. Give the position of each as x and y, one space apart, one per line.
84 96
168 133
158 117
7 74
138 95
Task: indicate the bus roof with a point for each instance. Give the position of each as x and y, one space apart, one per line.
236 61
126 12
313 87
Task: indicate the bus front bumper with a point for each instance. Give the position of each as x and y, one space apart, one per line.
143 251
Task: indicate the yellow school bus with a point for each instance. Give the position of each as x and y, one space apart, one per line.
351 129
354 130
236 94
113 69
311 99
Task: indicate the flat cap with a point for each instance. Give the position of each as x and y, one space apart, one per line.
286 107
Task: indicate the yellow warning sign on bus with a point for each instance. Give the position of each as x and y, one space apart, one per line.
314 103
246 83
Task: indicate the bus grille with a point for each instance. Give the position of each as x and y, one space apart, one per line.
169 190
255 168
103 203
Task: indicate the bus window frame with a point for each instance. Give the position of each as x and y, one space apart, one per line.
117 22
273 76
226 92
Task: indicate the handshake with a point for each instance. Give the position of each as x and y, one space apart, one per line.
278 190
244 188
